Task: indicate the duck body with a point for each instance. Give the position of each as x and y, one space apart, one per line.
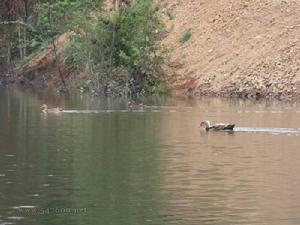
134 106
217 127
45 109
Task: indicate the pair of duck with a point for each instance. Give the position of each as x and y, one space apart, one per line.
205 124
131 105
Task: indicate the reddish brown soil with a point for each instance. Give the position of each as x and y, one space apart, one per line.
246 48
43 72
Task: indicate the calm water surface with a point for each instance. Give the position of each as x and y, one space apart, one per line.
147 167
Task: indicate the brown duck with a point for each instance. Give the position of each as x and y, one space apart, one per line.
45 109
134 106
217 127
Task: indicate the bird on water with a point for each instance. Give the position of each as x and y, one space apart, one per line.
134 106
45 109
217 127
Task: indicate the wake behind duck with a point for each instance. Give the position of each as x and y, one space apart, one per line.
227 127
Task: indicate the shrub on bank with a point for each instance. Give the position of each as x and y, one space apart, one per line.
119 49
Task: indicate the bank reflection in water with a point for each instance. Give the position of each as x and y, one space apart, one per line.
147 168
233 178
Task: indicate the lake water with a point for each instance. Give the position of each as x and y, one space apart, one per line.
154 166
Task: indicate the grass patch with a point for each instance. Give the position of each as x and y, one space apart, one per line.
26 59
170 15
185 36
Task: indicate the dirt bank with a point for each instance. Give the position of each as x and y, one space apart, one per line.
43 72
245 48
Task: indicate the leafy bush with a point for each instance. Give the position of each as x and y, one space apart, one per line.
120 48
55 17
85 86
159 87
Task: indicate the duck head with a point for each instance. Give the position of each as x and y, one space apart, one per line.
205 124
44 108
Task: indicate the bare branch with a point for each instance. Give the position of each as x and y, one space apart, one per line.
15 22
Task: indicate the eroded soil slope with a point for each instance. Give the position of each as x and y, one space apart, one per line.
238 47
42 71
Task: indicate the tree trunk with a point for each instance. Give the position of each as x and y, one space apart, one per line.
58 65
116 4
8 53
20 42
24 42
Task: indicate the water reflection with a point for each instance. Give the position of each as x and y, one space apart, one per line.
154 167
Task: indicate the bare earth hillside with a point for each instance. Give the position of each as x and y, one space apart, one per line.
245 48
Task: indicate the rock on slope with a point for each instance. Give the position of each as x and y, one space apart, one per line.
238 47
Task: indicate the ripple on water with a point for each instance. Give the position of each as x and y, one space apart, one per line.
24 207
9 155
173 176
15 218
274 131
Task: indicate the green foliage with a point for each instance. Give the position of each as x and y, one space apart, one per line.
73 55
30 26
185 36
55 17
170 15
85 86
120 48
135 36
158 87
25 60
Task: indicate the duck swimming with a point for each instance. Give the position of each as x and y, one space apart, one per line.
45 109
134 106
217 127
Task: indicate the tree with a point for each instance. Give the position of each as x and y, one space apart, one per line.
13 17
